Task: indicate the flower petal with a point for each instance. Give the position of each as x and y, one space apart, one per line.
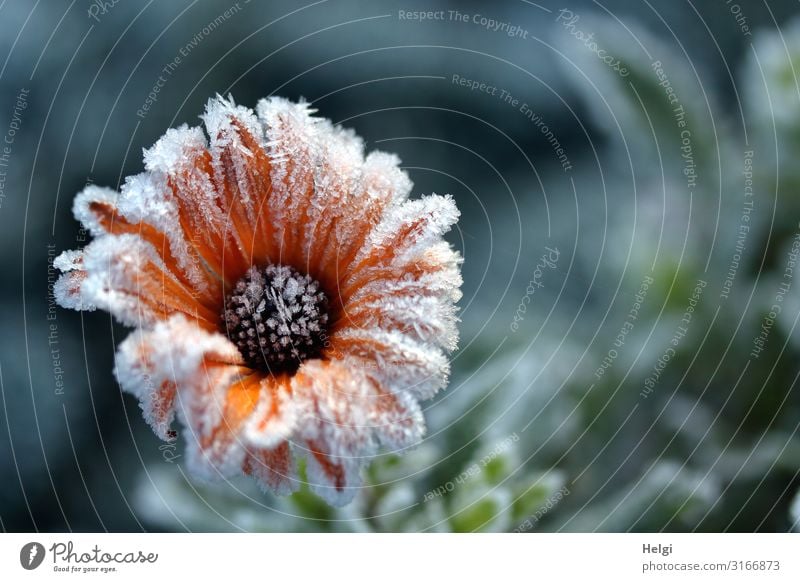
381 184
333 214
242 172
292 147
144 209
126 276
230 421
423 317
181 159
395 360
334 426
230 412
401 243
274 469
153 364
67 289
344 415
396 418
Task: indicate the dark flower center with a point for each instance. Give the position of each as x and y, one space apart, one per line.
277 317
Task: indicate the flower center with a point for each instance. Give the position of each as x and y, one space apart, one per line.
277 318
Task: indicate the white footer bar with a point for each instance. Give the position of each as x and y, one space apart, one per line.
386 557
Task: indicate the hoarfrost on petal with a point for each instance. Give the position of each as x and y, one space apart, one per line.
293 149
424 318
125 276
153 364
81 207
383 178
400 363
406 231
175 151
334 426
230 154
274 469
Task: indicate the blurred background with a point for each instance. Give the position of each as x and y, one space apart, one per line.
628 178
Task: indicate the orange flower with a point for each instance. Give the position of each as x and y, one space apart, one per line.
289 298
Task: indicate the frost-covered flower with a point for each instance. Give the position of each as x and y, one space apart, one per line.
289 298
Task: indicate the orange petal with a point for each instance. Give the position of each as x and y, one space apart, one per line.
232 417
152 365
343 415
400 246
274 469
125 276
143 209
394 359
